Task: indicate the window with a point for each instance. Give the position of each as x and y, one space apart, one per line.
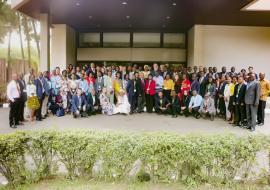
171 40
116 39
146 40
89 40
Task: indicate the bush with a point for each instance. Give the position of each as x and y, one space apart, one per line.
158 157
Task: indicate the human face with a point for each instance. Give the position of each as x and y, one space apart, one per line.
184 77
240 80
229 80
176 77
57 70
194 92
160 94
261 75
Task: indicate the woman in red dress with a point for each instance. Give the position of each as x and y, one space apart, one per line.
185 86
150 92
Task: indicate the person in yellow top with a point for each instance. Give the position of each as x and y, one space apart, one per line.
117 84
168 86
265 89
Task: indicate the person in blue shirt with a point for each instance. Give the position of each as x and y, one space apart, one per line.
195 104
83 84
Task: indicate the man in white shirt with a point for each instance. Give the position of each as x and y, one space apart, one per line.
195 104
13 95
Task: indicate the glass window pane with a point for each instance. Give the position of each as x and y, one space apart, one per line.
174 40
116 39
89 39
146 39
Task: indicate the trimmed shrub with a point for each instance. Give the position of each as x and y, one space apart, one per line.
158 157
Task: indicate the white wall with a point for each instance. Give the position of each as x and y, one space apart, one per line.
71 46
131 54
239 46
63 49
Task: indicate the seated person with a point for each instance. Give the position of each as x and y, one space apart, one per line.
195 104
93 103
208 107
107 107
184 104
79 104
162 104
122 105
175 104
55 103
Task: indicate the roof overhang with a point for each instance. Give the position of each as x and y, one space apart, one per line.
16 4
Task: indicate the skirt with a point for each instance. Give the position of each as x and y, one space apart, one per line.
33 103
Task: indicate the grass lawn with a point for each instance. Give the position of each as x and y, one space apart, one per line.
79 184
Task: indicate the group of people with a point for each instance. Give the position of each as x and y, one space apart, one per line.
237 97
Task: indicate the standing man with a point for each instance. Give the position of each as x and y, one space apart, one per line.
252 97
265 89
47 87
159 82
132 94
40 94
99 84
23 97
140 84
239 102
13 94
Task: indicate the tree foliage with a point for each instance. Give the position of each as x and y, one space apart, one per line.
111 156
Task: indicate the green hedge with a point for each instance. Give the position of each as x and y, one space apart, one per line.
163 157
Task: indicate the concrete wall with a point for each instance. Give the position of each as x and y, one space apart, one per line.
131 54
239 46
63 49
71 46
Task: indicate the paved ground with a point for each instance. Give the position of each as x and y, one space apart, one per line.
133 123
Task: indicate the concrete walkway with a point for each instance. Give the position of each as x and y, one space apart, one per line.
134 123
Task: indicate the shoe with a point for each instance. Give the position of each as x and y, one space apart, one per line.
212 118
13 126
261 124
252 129
39 119
198 116
20 123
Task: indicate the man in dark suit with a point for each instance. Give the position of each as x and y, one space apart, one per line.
99 84
239 102
93 103
40 94
252 97
140 83
132 94
221 101
23 97
79 104
162 104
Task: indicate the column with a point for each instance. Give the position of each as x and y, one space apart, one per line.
44 64
63 46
